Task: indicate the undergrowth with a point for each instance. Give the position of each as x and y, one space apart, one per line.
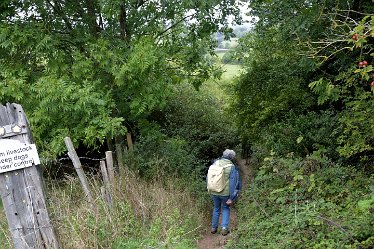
143 215
5 239
306 203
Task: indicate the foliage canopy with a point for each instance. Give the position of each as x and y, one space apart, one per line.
303 89
91 69
306 107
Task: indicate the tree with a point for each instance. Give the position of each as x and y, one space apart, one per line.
350 83
293 44
90 69
274 87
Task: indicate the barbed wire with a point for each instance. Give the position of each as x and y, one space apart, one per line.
83 157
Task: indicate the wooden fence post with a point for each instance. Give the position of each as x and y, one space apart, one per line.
106 191
22 190
110 168
129 142
78 167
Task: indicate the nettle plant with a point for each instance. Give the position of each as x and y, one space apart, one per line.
348 84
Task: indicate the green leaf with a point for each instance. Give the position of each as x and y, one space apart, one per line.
299 139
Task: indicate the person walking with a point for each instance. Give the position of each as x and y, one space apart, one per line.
224 184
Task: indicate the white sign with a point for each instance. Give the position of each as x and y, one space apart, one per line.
15 155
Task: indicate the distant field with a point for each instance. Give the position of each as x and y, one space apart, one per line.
222 88
220 53
231 71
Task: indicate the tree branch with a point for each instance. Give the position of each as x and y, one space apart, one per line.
335 224
57 9
140 3
175 24
125 33
357 12
91 14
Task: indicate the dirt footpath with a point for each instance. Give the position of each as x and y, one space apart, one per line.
217 241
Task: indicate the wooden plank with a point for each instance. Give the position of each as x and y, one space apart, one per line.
23 194
78 168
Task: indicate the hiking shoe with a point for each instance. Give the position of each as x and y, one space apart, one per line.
225 231
213 231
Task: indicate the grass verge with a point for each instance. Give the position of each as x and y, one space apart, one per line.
143 215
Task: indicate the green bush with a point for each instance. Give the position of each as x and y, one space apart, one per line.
155 237
198 118
303 134
349 85
310 203
231 58
157 156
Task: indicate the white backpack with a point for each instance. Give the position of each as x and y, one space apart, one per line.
216 181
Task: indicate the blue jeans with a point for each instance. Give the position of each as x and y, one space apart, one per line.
220 201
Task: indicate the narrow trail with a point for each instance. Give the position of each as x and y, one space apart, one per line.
217 241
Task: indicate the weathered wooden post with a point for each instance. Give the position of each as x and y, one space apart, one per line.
21 185
106 190
129 141
81 175
110 167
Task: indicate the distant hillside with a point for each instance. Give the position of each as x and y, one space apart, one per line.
238 32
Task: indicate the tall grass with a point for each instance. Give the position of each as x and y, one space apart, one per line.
5 240
144 215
